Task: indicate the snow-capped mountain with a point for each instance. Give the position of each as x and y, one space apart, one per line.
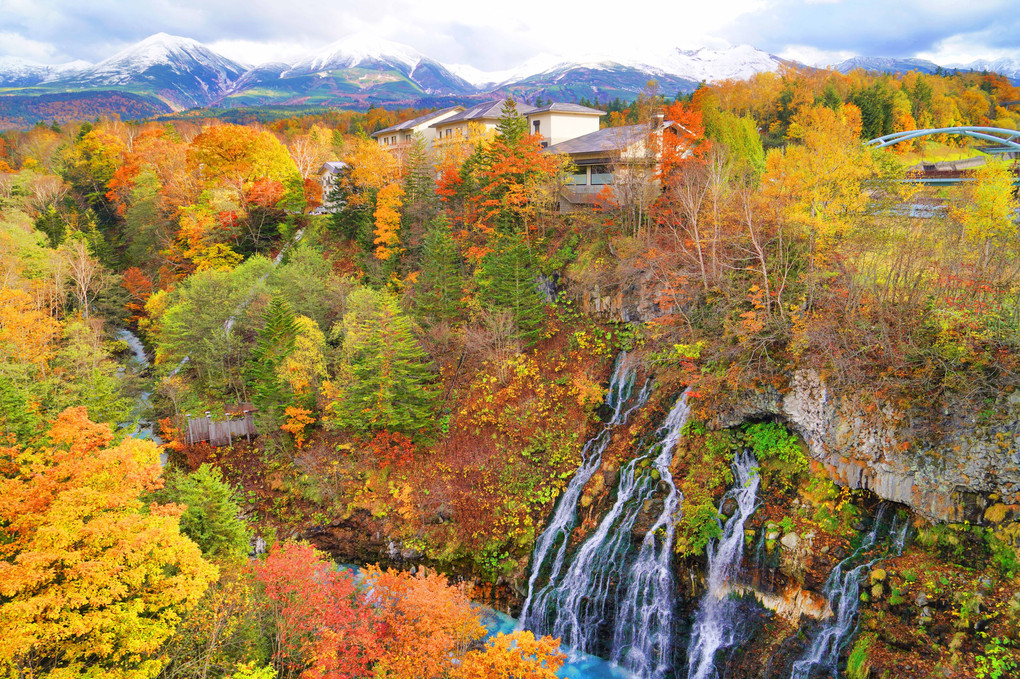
356 50
371 53
362 70
1007 67
712 65
484 80
181 70
15 72
886 65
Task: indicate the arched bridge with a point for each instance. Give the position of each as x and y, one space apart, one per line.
1006 140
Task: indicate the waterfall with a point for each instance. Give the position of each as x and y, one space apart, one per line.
574 605
643 641
842 590
716 625
557 532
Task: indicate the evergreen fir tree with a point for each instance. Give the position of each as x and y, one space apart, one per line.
511 126
441 284
275 343
420 201
211 518
509 276
384 380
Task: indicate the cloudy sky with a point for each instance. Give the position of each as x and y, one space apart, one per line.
496 35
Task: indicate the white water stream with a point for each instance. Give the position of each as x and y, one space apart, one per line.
715 626
842 590
609 593
623 402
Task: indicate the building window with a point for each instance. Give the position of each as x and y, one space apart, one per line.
579 178
536 124
601 175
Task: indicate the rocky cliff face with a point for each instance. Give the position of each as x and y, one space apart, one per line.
948 462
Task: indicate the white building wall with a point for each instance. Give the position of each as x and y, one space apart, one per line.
557 127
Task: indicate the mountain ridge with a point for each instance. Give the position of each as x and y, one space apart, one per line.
361 70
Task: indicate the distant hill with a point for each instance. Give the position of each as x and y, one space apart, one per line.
166 73
24 110
1010 68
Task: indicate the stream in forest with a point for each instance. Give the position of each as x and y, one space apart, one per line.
142 426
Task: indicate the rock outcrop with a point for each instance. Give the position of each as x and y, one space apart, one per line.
948 463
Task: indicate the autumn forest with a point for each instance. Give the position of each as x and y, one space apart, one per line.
427 361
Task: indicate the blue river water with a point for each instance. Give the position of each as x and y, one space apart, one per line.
579 666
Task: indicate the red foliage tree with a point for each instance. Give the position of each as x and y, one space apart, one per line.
320 619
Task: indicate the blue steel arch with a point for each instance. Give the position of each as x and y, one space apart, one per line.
1009 139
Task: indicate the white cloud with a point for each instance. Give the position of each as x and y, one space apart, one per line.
28 49
812 56
491 36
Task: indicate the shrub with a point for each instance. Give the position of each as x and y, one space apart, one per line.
771 441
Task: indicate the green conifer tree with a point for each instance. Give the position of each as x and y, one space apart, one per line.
211 518
440 280
509 274
275 343
384 378
17 419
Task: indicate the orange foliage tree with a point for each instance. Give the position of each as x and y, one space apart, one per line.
512 167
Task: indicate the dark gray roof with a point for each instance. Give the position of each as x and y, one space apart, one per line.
567 108
489 110
608 140
332 166
408 124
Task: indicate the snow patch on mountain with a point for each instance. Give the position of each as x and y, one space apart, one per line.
358 49
540 63
18 71
182 56
1006 66
886 65
712 65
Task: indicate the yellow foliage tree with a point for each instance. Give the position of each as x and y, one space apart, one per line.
818 184
27 334
304 367
387 221
986 212
92 582
513 656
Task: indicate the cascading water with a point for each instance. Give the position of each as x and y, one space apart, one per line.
574 605
716 623
643 640
842 589
619 400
